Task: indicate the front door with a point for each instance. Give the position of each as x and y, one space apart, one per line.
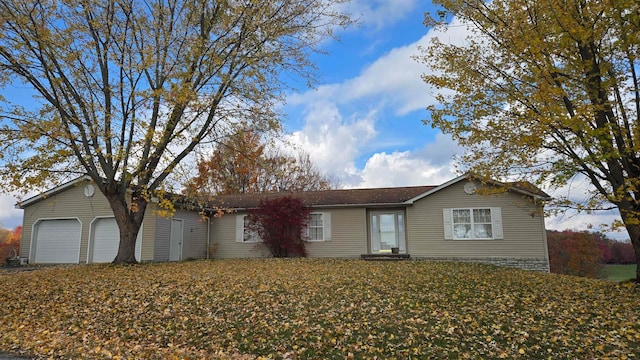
387 231
175 241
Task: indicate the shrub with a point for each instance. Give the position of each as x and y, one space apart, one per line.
280 224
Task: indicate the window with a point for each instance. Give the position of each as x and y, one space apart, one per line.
473 224
315 227
318 227
243 234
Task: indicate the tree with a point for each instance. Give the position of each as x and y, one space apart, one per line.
545 91
280 224
9 243
128 89
575 253
245 163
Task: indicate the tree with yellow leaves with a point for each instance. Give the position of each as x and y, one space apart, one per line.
127 89
546 91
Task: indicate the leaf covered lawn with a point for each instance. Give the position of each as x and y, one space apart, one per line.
304 308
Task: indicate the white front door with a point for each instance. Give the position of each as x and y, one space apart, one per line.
175 242
387 231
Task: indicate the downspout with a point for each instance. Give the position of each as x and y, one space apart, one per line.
208 235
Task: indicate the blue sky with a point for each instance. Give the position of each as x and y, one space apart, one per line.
362 124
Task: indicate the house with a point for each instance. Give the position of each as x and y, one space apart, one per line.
456 221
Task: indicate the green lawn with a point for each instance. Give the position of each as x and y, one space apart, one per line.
315 309
620 272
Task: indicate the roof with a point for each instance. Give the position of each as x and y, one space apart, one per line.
346 197
390 196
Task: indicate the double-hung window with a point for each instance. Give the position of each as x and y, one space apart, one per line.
315 227
243 233
318 227
473 224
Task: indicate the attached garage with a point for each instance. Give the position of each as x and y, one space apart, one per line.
105 239
56 241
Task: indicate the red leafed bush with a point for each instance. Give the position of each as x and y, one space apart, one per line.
280 224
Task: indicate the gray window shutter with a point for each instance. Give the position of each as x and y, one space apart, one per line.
326 226
496 220
447 215
240 228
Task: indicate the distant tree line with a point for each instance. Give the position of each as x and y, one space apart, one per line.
583 253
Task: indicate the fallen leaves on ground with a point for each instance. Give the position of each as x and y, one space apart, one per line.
310 308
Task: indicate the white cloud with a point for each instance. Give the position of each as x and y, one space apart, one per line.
431 165
379 13
393 79
333 142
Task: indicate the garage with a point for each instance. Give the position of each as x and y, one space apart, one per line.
57 241
105 240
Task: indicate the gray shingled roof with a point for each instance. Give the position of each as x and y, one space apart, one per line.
379 196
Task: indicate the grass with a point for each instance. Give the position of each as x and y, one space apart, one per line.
315 309
620 272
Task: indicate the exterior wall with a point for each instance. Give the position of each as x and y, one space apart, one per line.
72 203
348 236
223 239
523 227
162 237
194 245
194 235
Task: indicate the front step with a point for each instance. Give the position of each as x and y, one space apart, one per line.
385 257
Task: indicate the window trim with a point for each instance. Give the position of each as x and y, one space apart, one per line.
241 230
326 227
496 223
307 236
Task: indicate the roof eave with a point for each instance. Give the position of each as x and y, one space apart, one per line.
34 199
328 206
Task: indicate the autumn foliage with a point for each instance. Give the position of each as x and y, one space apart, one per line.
244 163
582 253
280 224
9 241
314 309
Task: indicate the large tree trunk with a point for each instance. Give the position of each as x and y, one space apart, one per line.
632 225
634 234
129 219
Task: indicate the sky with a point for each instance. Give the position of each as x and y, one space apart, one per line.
363 122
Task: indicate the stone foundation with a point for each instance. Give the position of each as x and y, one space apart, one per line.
525 264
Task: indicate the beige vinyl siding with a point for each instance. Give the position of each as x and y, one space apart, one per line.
523 226
348 234
73 204
194 244
148 234
223 238
194 235
69 204
162 238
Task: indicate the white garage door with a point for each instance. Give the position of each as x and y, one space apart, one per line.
106 238
57 241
